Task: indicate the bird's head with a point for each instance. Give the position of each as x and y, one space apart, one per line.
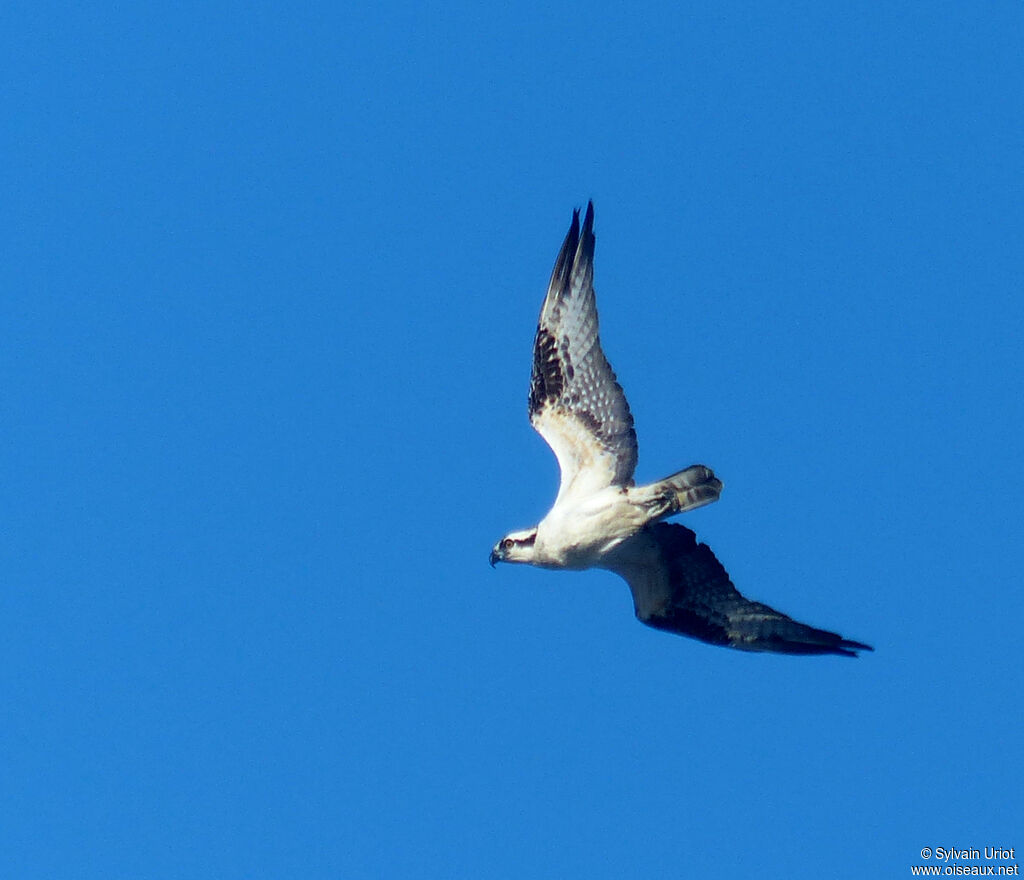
515 547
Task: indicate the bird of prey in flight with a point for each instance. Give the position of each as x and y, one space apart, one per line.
600 518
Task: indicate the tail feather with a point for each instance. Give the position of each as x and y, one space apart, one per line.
686 490
692 488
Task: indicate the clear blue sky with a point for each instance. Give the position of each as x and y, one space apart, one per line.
270 281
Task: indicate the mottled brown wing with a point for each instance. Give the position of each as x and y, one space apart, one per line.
678 585
576 404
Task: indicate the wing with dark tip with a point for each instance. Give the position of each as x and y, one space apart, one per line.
576 404
678 585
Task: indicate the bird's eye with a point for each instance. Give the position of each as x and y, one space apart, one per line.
506 543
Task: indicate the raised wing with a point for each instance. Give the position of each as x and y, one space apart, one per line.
576 404
678 585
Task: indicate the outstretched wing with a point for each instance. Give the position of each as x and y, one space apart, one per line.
576 404
678 585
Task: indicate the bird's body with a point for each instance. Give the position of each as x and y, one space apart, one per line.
600 519
580 534
585 532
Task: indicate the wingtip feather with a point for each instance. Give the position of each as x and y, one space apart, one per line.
850 648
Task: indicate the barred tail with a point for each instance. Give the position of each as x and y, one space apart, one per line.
692 488
686 490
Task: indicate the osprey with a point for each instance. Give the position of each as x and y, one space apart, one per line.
600 518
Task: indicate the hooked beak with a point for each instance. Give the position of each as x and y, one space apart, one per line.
496 556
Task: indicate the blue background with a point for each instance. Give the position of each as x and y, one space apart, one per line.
270 282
